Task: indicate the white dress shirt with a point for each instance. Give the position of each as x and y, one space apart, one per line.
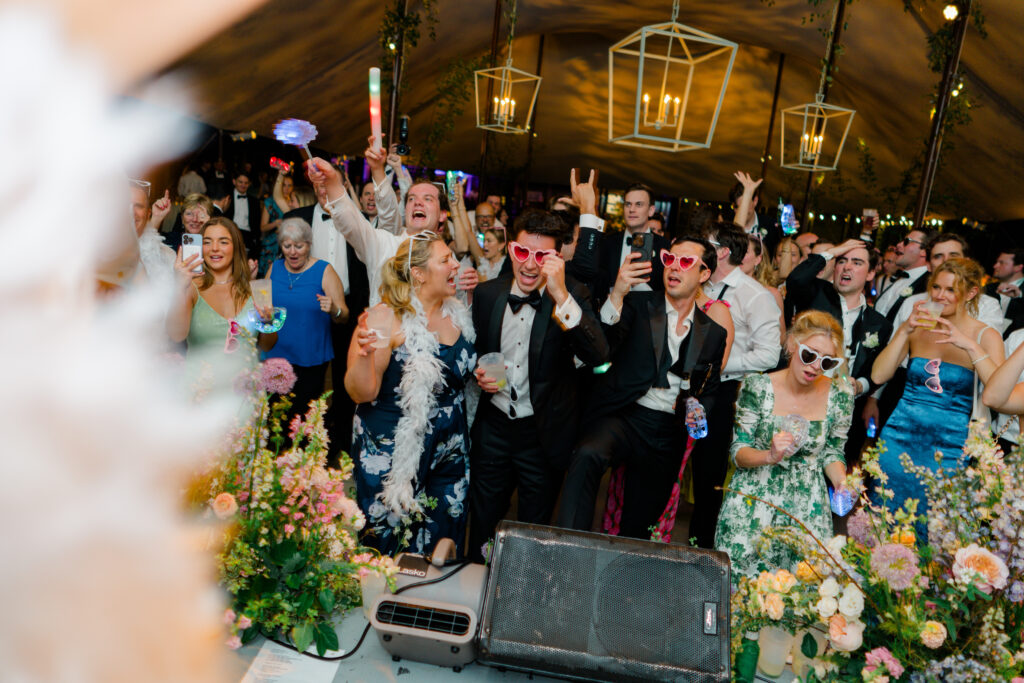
372 246
757 343
388 215
241 217
888 297
329 245
1012 432
1004 300
515 347
643 286
656 398
488 271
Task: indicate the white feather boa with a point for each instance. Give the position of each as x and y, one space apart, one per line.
417 398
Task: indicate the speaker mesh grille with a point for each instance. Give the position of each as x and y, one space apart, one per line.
423 618
604 608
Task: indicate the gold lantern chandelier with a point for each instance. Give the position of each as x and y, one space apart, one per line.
670 61
499 89
813 134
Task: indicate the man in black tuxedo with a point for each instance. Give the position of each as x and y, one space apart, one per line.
865 331
523 434
911 276
330 245
638 207
246 212
663 350
1009 273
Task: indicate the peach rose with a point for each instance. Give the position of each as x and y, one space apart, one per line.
773 606
765 582
933 634
224 505
993 570
805 572
784 581
845 636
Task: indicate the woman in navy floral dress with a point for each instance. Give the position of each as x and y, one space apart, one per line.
411 435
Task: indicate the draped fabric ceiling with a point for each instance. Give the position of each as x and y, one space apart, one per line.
309 60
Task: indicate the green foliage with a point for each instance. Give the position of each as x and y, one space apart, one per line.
454 88
406 26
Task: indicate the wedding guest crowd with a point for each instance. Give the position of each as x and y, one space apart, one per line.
477 359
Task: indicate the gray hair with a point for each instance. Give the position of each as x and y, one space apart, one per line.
294 229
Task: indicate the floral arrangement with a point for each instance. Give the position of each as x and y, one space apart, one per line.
290 559
892 606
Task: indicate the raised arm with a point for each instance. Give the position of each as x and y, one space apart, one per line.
749 186
463 226
894 352
278 193
585 266
366 364
345 214
401 173
1003 392
388 215
179 315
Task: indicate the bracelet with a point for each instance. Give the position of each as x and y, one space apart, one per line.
337 313
975 362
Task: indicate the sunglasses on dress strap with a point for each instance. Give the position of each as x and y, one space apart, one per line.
231 343
828 363
523 253
932 368
684 262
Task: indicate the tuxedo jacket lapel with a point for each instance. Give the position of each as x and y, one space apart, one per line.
541 319
659 333
497 317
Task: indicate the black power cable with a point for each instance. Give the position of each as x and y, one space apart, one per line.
459 567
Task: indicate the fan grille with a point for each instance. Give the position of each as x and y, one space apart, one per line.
423 618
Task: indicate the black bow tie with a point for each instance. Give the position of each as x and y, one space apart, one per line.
900 274
516 302
325 216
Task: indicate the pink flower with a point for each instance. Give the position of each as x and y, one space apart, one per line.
229 616
224 505
895 563
244 622
289 529
234 642
881 656
276 376
992 570
845 636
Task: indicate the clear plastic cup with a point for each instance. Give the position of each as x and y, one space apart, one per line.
931 310
493 365
381 319
262 294
775 646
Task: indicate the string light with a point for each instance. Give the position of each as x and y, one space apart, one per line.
951 12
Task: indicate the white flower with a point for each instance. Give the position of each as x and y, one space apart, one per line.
870 340
826 607
836 545
852 602
375 464
907 291
829 588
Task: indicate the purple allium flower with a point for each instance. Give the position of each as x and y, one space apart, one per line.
859 529
277 376
895 563
1016 592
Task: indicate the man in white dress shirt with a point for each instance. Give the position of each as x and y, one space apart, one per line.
756 346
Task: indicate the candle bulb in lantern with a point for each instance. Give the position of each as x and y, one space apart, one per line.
647 102
375 107
512 111
804 144
676 111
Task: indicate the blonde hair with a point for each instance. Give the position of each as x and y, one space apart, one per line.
196 199
396 287
968 274
764 272
304 196
812 322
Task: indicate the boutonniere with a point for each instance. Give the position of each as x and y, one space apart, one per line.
870 340
907 291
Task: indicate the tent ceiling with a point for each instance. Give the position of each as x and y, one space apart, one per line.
311 63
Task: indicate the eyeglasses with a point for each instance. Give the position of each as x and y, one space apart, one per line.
828 363
714 244
522 254
932 368
907 240
231 343
424 236
668 259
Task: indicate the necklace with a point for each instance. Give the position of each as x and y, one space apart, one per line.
293 280
222 283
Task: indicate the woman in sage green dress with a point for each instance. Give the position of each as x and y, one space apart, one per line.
213 309
762 449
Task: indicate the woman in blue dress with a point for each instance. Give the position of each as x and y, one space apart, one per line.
312 293
410 435
947 355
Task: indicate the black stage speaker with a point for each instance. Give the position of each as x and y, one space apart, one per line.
592 607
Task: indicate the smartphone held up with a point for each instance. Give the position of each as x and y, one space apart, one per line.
192 245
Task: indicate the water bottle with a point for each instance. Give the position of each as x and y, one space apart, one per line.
696 419
872 428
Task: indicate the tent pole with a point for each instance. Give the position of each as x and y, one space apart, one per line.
931 162
396 75
771 119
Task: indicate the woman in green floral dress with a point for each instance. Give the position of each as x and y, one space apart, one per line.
761 449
